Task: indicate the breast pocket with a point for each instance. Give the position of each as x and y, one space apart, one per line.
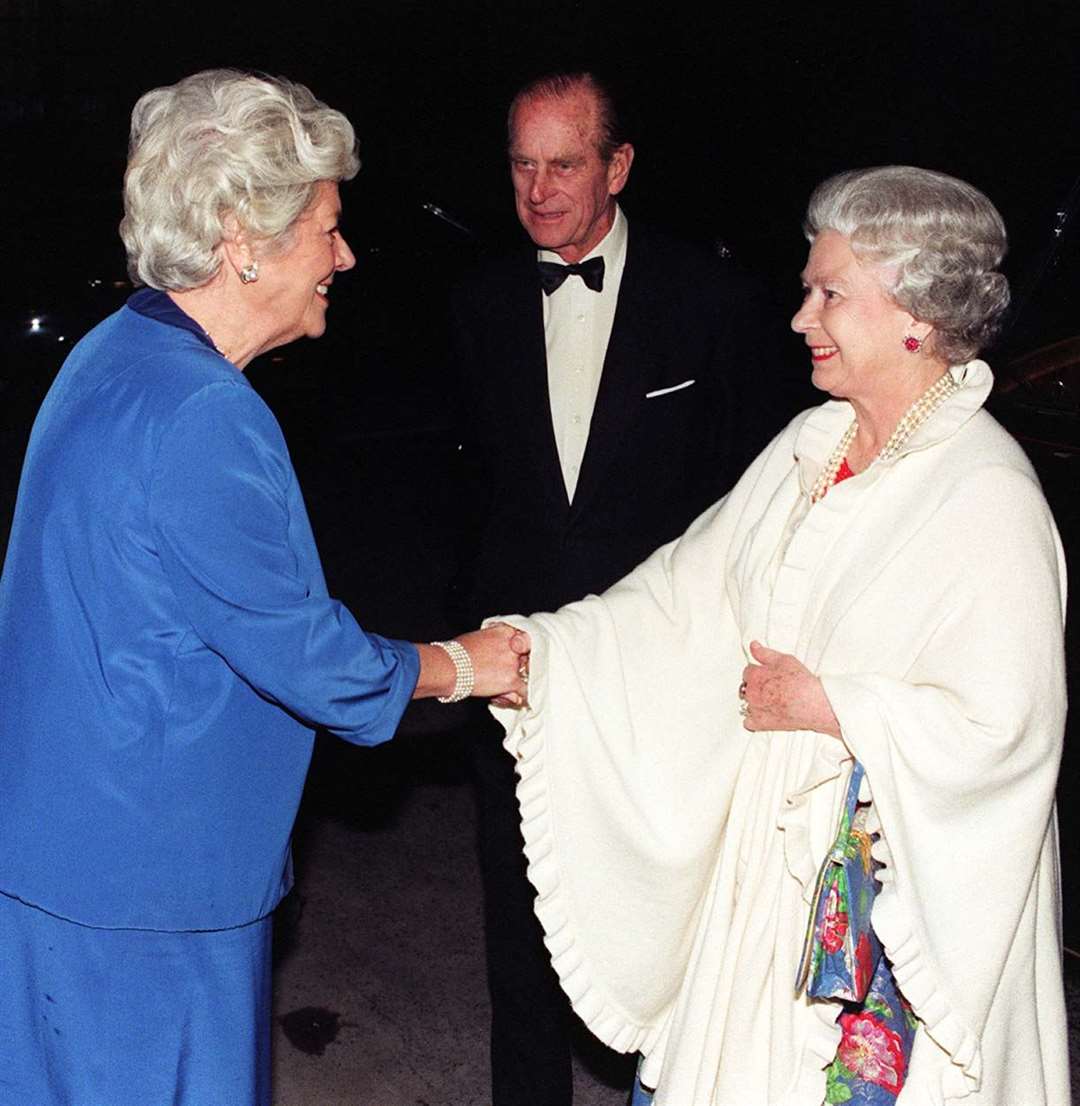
660 393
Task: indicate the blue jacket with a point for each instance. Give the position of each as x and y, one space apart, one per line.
167 644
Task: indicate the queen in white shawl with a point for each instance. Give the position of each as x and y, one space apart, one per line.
885 583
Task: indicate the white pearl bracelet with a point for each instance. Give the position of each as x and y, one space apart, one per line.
465 676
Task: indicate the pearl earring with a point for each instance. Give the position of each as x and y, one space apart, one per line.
250 273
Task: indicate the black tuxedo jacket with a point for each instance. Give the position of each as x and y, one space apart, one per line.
651 464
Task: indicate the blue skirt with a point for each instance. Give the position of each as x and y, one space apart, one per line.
108 1017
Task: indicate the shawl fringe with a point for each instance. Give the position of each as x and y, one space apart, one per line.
917 979
525 741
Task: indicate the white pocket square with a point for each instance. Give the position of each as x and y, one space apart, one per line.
673 388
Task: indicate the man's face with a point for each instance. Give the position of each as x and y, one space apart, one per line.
564 192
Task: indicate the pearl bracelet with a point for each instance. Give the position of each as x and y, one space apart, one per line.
465 676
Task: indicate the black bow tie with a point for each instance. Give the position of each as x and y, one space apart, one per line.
553 274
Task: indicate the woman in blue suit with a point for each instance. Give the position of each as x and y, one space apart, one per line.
168 643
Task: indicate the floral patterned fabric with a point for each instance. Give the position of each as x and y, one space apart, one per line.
841 947
872 1058
844 959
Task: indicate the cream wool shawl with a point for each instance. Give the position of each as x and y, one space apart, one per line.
674 853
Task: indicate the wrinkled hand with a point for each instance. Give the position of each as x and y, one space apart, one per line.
500 657
783 694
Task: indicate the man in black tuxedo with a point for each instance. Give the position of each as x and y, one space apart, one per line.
612 380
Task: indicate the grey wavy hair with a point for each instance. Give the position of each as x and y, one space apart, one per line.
218 150
939 240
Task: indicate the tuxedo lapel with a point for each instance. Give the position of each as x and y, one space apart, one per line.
520 322
628 366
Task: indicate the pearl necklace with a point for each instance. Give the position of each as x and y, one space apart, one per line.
913 418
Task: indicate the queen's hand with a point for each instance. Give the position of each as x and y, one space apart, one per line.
780 693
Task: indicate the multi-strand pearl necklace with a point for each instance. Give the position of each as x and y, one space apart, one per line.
913 418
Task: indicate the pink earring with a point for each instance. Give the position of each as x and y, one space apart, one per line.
912 344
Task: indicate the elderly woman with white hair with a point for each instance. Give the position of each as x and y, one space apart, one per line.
169 644
788 787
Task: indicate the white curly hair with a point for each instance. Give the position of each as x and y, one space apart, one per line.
218 147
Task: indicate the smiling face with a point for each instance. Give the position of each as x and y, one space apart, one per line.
563 190
854 330
293 284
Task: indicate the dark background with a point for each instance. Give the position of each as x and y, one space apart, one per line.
735 114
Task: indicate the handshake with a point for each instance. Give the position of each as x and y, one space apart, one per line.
492 663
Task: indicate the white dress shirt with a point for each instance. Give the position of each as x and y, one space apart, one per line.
577 326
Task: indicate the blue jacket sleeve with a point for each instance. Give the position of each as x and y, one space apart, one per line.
235 545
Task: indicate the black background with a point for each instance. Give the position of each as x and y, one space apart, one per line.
737 112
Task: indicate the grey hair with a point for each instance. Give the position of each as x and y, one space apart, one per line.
940 239
224 150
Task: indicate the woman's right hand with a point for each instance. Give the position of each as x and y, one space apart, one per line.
500 657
